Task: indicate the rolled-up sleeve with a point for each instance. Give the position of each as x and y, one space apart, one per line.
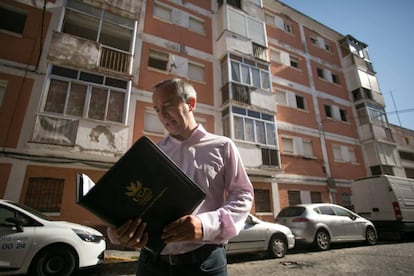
226 221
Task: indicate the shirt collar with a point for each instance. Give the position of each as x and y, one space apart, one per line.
196 134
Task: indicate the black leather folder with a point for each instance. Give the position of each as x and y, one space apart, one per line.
145 183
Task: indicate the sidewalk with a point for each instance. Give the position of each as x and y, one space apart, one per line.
116 263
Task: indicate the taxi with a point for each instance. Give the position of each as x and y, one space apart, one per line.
31 243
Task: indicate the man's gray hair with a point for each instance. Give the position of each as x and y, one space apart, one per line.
184 89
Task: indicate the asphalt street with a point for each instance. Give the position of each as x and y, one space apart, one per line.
385 258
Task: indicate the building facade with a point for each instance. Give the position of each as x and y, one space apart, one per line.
76 81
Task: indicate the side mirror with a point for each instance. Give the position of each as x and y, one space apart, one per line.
16 222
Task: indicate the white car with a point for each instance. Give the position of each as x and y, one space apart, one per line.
261 236
31 243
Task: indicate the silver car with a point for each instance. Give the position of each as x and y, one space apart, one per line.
261 236
324 223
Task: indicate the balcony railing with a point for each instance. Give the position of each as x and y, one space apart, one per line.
55 130
114 59
236 92
260 52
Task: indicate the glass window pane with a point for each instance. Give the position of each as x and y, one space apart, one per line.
256 78
196 25
249 130
270 134
116 106
76 100
97 105
260 132
307 148
238 128
287 144
235 71
245 74
162 12
115 36
152 123
265 80
81 25
56 97
195 72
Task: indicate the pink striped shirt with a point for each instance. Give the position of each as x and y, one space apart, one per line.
214 163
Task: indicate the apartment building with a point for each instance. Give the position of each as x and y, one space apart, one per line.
76 80
404 138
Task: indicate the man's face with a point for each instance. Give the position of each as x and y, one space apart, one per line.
173 112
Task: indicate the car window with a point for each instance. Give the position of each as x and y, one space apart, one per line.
325 210
6 212
291 212
342 212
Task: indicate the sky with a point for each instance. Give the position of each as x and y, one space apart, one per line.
386 26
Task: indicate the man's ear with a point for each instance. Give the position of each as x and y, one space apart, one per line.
191 103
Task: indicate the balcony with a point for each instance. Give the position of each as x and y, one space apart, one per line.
236 92
76 52
55 130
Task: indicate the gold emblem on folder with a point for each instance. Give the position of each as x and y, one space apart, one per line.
138 193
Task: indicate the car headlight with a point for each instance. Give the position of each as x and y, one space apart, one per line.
88 236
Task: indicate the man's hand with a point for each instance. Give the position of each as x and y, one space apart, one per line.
130 234
186 228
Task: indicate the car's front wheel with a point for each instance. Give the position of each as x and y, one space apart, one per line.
322 240
277 246
54 260
370 236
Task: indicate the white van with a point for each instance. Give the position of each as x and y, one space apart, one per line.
388 201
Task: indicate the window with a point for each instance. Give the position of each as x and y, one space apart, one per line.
341 212
12 20
196 25
316 197
300 102
344 154
252 126
250 73
383 169
294 62
297 146
80 94
326 210
328 47
158 60
344 115
335 78
196 72
275 56
287 27
44 194
281 97
262 200
294 198
162 12
346 200
270 157
328 111
152 123
307 148
270 19
287 145
3 85
98 25
320 73
352 155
